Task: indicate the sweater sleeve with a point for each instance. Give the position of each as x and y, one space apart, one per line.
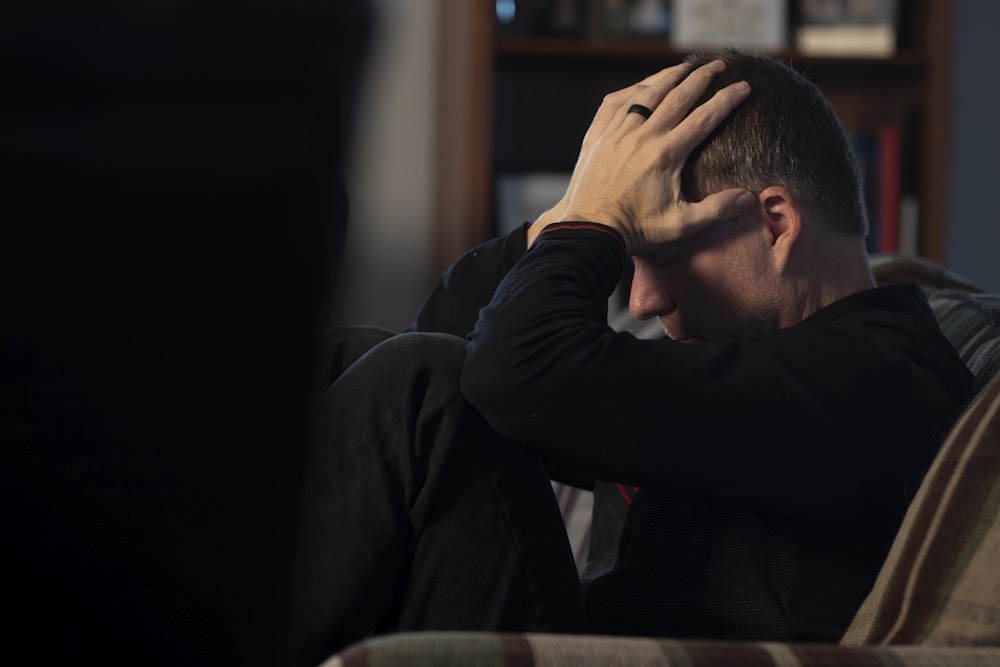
469 284
772 423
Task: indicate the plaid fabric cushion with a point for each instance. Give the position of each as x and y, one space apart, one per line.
444 649
930 276
969 317
941 582
971 321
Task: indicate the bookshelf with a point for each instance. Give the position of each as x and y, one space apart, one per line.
520 104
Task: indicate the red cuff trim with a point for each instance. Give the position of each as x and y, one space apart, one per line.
589 226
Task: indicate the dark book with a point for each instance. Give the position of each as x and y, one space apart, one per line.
866 152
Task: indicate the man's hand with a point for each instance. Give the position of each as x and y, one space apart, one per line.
611 102
628 173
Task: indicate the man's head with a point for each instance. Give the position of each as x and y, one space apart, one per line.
786 134
800 248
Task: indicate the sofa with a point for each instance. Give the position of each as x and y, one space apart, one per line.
936 601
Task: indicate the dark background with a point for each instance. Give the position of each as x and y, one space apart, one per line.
172 217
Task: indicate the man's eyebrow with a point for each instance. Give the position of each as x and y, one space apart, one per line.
668 253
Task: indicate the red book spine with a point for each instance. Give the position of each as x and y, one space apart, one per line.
888 189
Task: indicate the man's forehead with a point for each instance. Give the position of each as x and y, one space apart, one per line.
719 237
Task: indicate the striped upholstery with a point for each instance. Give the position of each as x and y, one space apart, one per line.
971 321
449 649
941 582
969 317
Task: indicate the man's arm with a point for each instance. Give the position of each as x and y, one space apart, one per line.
816 416
547 371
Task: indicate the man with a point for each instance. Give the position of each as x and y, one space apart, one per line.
775 436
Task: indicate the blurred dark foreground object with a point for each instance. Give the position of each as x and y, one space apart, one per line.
172 219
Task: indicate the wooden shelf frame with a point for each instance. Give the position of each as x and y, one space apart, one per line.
917 77
646 50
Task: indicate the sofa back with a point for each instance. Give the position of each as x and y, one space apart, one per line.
968 316
971 321
940 584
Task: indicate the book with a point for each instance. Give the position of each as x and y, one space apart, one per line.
909 225
888 138
537 18
866 153
888 186
860 28
760 25
909 181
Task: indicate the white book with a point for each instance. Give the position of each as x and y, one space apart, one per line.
847 40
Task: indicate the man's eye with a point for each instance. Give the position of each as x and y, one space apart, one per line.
669 256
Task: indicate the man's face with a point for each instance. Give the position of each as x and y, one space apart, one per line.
718 284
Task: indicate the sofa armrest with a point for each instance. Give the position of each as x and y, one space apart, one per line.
455 649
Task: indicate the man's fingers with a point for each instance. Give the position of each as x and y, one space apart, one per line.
677 100
655 88
610 111
720 207
613 111
673 74
696 127
690 219
626 177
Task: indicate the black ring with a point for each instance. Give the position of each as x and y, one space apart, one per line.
645 112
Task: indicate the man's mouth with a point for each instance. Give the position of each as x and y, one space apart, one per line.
683 336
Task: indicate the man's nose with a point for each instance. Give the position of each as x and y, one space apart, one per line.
648 297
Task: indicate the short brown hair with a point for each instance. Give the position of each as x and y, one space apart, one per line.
785 133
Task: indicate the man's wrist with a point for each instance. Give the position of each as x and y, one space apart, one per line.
541 222
582 225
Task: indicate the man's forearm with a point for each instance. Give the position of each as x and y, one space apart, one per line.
544 322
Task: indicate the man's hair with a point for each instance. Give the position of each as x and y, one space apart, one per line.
784 134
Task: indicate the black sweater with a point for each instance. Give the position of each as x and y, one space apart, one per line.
774 471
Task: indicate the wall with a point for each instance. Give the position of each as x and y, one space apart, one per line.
974 222
385 275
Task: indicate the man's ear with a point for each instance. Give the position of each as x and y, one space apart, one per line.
783 220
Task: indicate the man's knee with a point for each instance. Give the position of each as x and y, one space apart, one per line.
437 350
341 346
427 363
